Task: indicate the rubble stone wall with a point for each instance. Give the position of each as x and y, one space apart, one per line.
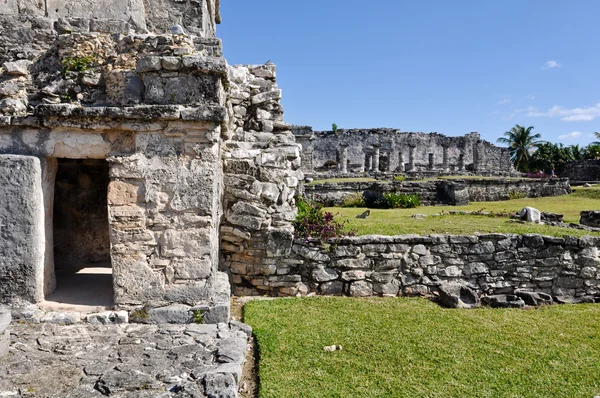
417 265
390 150
438 192
261 164
196 16
583 170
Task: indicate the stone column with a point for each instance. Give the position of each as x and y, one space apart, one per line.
411 158
389 162
344 159
376 159
400 162
368 161
446 166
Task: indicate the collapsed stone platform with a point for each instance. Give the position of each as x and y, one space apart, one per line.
126 361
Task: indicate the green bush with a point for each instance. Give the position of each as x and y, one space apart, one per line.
78 64
354 200
313 222
516 194
394 200
400 178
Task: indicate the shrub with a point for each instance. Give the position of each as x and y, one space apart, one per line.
401 200
77 64
313 222
516 194
400 178
334 128
354 200
394 200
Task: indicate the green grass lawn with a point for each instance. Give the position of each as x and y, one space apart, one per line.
398 221
413 348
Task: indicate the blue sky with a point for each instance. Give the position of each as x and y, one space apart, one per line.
427 65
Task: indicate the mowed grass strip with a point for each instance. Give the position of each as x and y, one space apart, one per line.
399 221
401 347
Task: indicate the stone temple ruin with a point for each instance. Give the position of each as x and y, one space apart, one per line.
392 151
134 160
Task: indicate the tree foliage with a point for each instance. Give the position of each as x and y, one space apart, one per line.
521 143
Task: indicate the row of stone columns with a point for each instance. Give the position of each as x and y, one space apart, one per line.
372 161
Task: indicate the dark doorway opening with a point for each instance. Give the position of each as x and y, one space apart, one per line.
81 237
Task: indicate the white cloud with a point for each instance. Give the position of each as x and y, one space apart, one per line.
530 97
571 136
510 116
552 64
585 114
504 101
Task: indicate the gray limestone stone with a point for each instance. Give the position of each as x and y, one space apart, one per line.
108 318
21 229
324 274
574 300
531 214
335 288
455 295
4 343
503 301
61 318
361 289
218 385
17 68
176 313
534 298
5 318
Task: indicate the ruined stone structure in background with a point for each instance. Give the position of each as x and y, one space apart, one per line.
582 170
393 151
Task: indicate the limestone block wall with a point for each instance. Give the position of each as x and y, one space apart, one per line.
417 265
390 150
21 230
198 17
583 170
261 164
439 192
163 198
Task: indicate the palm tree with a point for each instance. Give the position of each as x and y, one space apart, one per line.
521 143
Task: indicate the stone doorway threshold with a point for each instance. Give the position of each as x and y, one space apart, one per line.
88 291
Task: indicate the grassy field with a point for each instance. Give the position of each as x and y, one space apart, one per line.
399 221
413 348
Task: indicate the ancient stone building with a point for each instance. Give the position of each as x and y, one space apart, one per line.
393 151
129 150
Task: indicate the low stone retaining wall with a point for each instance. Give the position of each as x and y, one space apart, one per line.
590 218
452 192
582 170
5 318
417 265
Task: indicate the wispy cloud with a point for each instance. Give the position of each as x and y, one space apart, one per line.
552 64
510 116
585 114
528 110
504 101
571 136
530 97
